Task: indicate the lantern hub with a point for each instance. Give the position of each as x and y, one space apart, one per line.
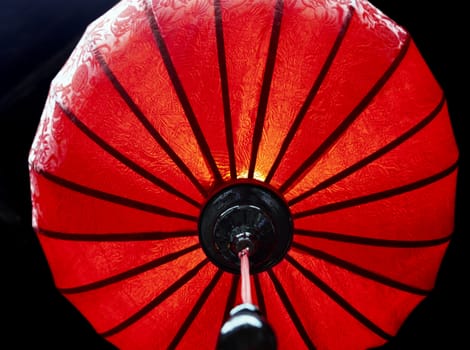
245 216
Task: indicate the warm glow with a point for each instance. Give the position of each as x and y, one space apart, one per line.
256 175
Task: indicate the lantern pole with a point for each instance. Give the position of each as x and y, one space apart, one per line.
246 327
245 275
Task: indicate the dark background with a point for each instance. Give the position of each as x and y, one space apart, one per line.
36 39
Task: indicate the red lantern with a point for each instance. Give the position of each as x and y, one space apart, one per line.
312 132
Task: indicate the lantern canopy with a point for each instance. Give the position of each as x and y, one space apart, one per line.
312 132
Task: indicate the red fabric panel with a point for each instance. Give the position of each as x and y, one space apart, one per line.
329 325
424 153
398 167
422 214
110 305
307 37
196 62
77 263
207 324
415 267
284 328
158 328
362 59
245 69
64 210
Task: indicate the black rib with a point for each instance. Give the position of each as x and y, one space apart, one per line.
377 196
291 311
266 87
311 95
372 157
123 159
260 296
185 104
195 310
339 299
116 236
147 124
377 242
232 295
219 32
156 301
333 137
130 273
113 198
359 270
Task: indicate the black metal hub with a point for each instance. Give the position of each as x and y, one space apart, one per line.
243 216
